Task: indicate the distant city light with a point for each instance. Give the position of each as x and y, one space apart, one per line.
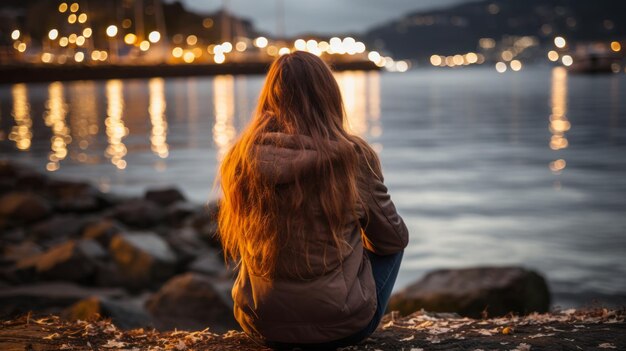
560 42
219 58
21 47
82 18
74 7
507 55
177 52
111 30
616 46
435 60
260 42
241 46
192 40
516 65
227 47
189 57
373 56
553 56
130 38
300 44
53 34
46 57
471 57
80 40
567 60
144 45
62 7
207 23
79 57
71 19
501 67
87 32
63 41
283 51
402 66
154 36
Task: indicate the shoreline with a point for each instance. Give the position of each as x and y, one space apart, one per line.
44 73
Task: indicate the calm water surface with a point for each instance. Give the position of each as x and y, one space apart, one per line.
526 168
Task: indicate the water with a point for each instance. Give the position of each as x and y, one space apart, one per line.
522 168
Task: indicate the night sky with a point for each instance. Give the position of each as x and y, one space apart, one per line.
320 16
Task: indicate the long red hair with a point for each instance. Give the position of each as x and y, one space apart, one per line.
259 226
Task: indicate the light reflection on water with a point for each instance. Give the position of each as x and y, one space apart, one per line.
485 168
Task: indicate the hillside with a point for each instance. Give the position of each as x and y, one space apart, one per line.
459 28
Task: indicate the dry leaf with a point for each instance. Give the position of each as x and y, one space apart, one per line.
113 344
408 338
607 345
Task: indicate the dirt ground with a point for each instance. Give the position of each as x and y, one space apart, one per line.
594 329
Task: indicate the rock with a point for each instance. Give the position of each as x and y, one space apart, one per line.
470 291
205 222
72 261
186 242
192 301
143 258
58 228
164 197
74 196
30 180
102 230
123 313
209 263
24 207
178 212
139 213
16 252
49 296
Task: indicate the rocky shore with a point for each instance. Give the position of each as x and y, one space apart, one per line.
83 269
72 250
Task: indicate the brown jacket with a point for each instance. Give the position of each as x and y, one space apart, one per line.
338 302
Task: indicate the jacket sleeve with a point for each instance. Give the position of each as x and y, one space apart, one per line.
384 231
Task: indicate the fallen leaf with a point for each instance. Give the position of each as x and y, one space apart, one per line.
607 345
113 344
52 336
484 332
409 338
507 330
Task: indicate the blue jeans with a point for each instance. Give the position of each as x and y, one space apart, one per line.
385 271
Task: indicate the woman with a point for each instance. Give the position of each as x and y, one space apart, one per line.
306 216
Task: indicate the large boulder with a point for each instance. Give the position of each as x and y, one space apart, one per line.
474 292
192 301
139 213
23 207
165 196
71 261
143 258
124 313
48 296
205 223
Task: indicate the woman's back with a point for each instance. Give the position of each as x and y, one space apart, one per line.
301 199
